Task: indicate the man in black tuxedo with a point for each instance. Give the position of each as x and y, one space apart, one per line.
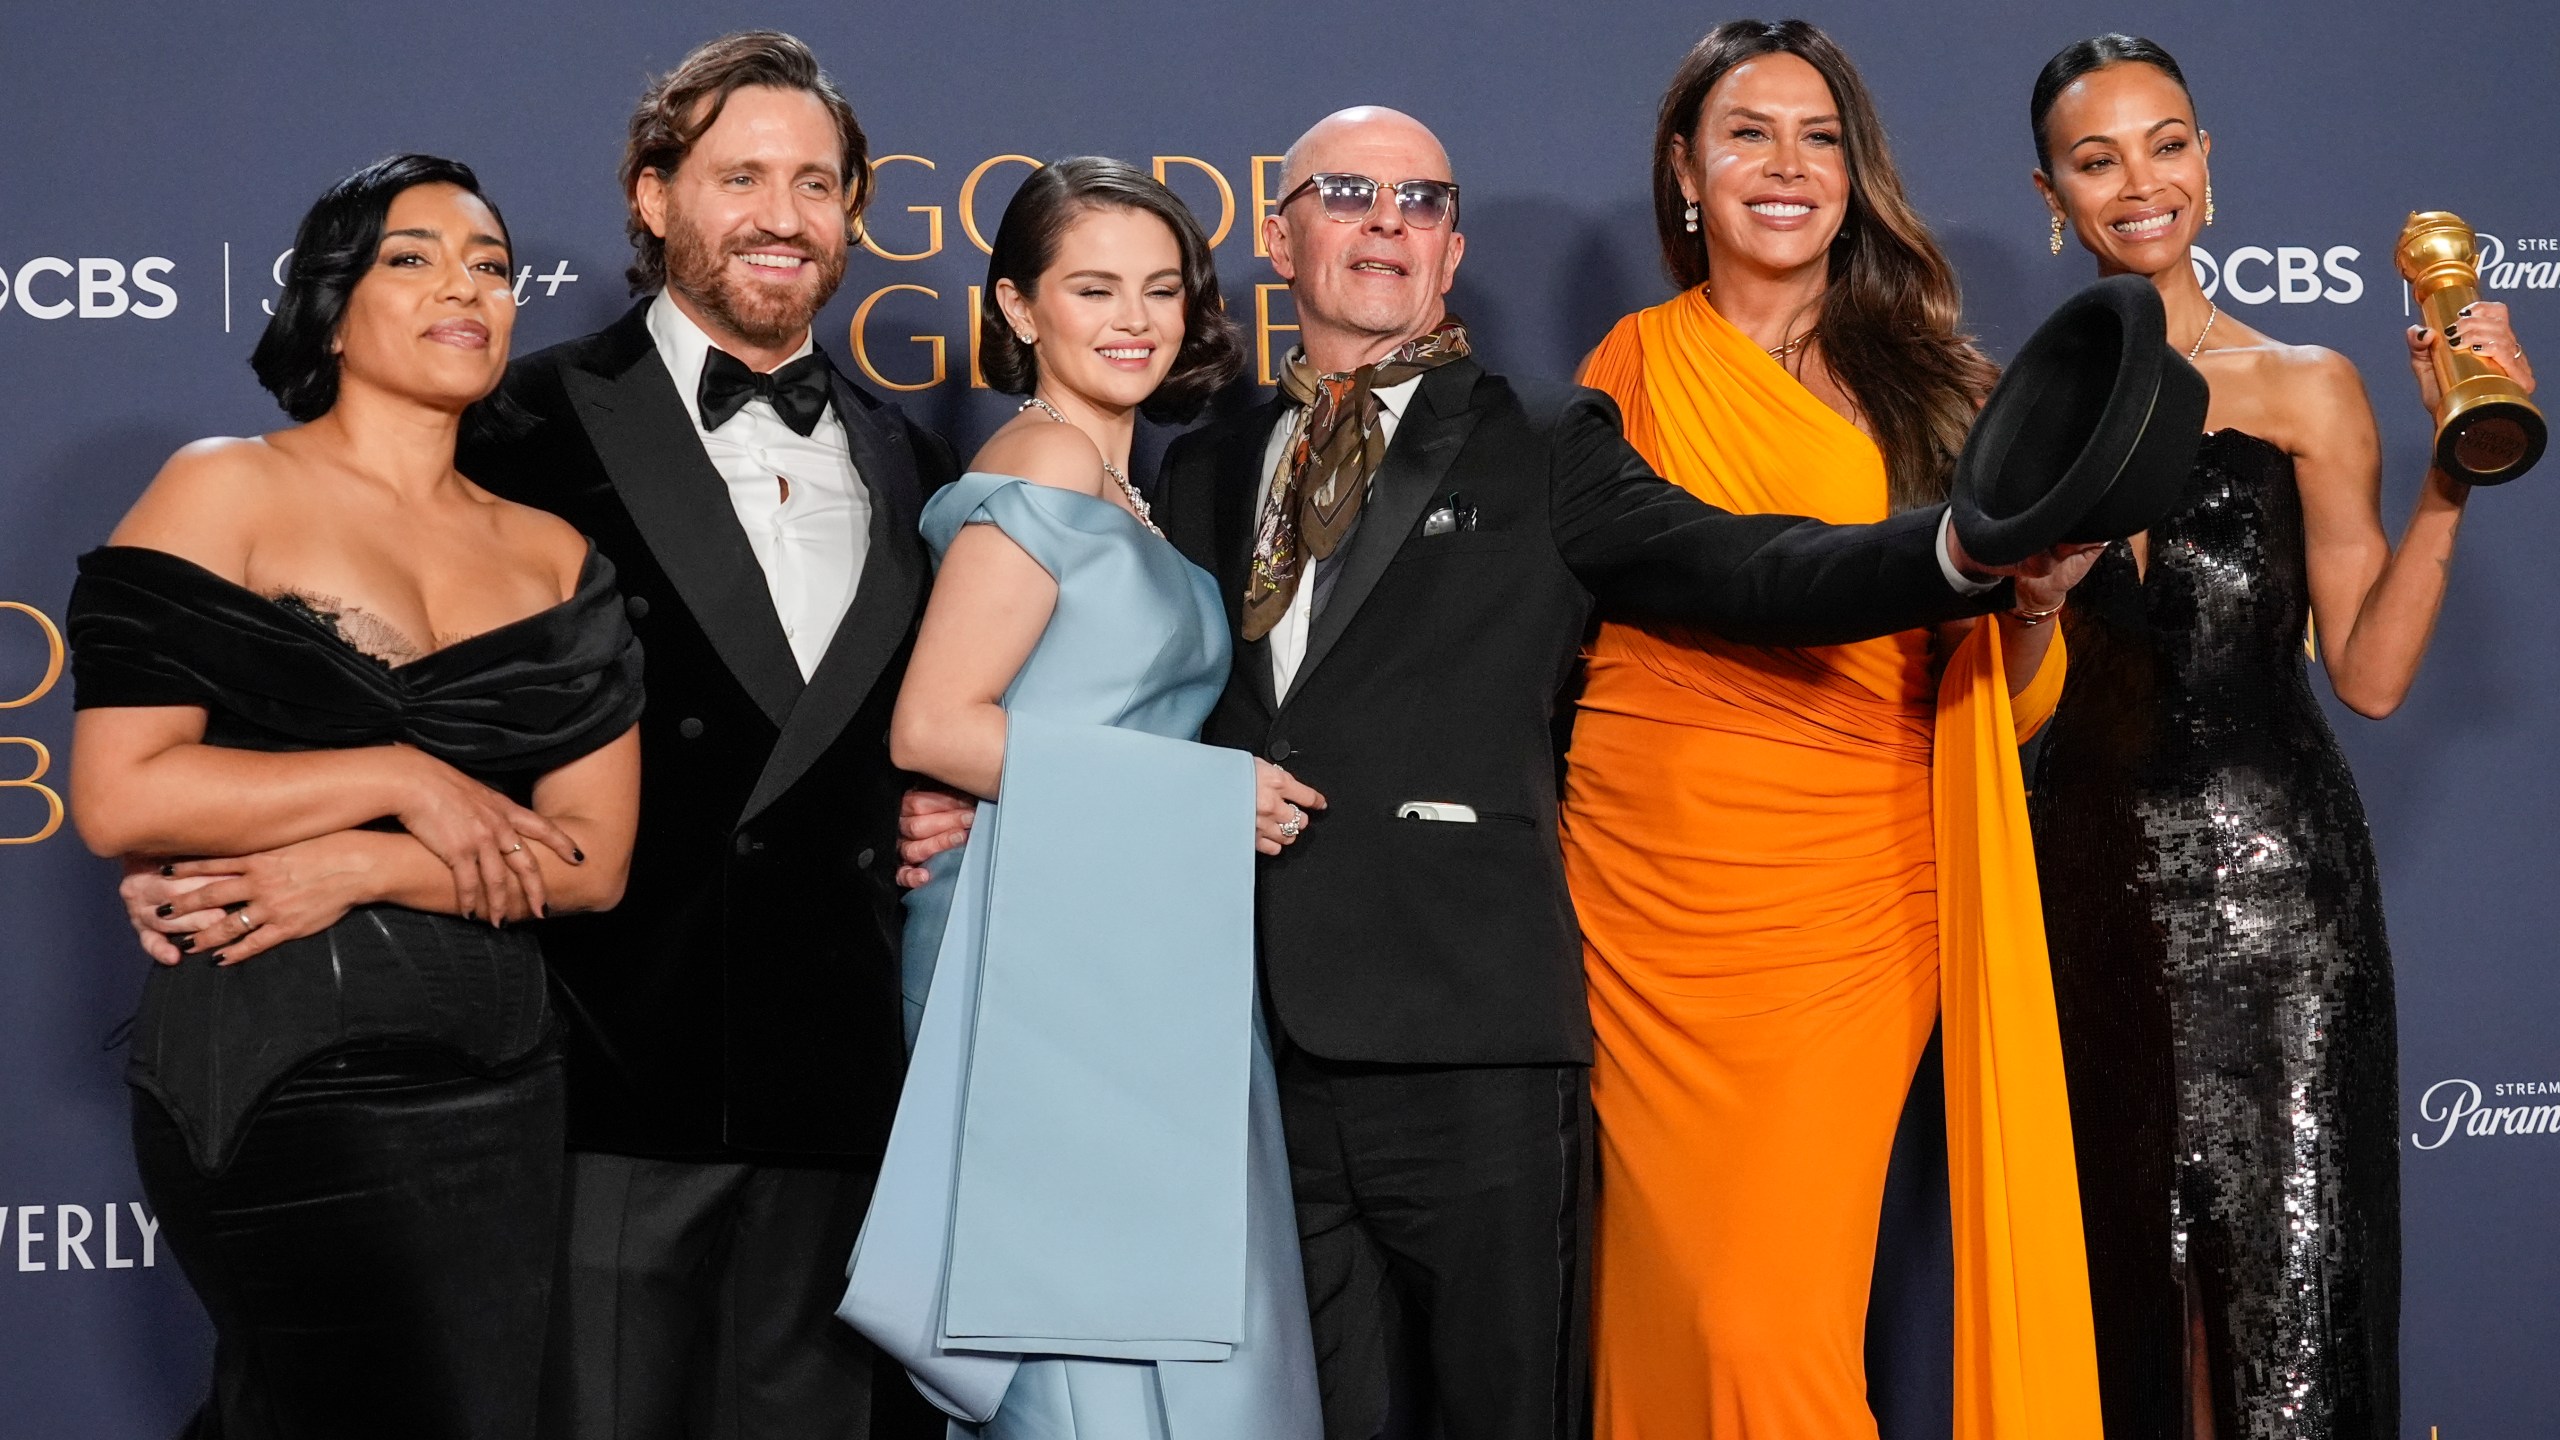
1413 548
734 1027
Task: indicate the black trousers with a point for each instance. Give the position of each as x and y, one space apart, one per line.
1444 1221
697 1302
377 1256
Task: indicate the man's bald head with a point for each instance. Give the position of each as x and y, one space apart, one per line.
1363 285
1364 130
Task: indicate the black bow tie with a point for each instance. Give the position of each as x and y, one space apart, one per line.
797 392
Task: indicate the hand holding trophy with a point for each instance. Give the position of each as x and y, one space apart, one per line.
2487 428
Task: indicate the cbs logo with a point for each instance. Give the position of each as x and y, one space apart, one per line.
2293 274
49 288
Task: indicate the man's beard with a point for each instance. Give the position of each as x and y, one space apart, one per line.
760 314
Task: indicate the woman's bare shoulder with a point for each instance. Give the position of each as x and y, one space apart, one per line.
209 502
1043 452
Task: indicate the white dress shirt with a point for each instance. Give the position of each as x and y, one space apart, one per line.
805 510
1288 639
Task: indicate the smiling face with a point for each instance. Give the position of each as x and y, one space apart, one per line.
433 316
754 219
2125 167
1107 315
1363 288
1767 167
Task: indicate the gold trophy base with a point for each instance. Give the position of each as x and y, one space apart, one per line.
2489 432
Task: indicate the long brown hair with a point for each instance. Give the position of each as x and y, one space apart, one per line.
1890 313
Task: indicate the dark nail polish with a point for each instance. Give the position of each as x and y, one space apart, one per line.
165 911
168 872
578 857
213 956
186 944
546 912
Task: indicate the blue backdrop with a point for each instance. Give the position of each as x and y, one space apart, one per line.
158 156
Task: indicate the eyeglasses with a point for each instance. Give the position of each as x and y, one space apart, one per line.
1425 204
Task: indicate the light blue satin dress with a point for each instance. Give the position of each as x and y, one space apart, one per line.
1082 1229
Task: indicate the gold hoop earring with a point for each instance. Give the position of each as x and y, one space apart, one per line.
2056 245
2208 202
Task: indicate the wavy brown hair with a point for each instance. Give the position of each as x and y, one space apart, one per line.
1889 315
680 105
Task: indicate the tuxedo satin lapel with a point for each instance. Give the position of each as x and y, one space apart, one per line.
884 602
1427 439
1239 494
680 504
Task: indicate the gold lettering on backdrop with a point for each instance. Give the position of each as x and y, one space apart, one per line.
977 332
969 197
932 218
1264 328
34 778
1226 192
53 654
1264 202
862 347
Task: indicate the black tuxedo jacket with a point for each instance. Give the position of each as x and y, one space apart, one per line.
742 1001
1434 672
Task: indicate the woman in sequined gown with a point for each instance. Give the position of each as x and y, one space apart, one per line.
2220 964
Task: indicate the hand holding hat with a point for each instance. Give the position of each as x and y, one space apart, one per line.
2089 437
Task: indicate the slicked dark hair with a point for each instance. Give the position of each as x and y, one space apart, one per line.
1026 245
335 248
672 116
2081 57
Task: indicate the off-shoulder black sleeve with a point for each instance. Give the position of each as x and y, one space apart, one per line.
148 628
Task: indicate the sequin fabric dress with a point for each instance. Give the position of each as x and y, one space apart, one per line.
2223 982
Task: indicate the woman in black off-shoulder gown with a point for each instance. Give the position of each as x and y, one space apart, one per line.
347 1104
2220 964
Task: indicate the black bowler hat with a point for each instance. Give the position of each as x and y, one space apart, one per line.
2090 434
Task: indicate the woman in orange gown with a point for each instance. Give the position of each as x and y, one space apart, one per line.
1787 862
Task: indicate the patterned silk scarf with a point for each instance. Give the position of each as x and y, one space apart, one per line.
1332 454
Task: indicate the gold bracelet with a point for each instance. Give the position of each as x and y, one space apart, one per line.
2029 619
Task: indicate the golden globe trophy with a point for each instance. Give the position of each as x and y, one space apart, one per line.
2487 430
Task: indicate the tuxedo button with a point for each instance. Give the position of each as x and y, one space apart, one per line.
748 844
1278 750
689 727
636 606
866 857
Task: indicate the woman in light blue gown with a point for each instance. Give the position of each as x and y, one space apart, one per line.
1082 1229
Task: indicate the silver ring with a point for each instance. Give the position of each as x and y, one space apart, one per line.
246 924
1296 822
510 850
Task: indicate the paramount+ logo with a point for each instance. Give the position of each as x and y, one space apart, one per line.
2453 1110
93 287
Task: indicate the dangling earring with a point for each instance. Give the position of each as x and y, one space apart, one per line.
2056 246
1689 218
2208 202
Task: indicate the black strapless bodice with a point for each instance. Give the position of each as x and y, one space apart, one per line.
2223 981
147 628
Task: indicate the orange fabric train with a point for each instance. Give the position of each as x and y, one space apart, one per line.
1786 862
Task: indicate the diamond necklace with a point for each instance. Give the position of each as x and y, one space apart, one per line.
2212 313
1137 502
